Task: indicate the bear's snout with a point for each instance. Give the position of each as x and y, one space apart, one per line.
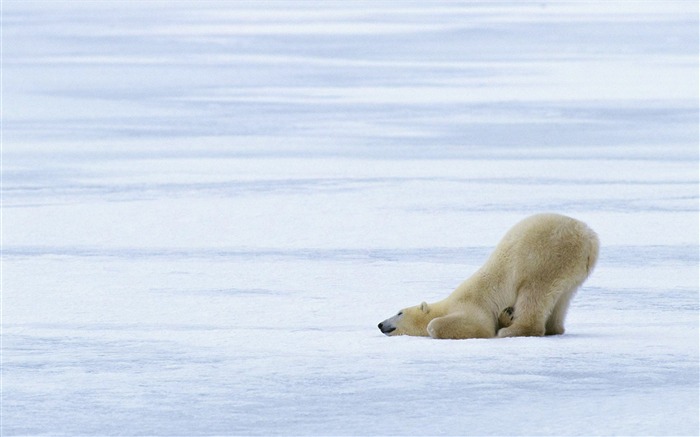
386 328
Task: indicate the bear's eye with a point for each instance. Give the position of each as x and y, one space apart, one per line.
400 313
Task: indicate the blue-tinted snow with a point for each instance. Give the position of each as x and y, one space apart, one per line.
208 207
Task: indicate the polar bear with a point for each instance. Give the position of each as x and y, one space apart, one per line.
523 289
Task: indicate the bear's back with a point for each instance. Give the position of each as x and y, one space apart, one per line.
545 245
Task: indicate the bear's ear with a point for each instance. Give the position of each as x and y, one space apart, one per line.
424 307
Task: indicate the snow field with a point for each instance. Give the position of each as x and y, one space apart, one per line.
209 206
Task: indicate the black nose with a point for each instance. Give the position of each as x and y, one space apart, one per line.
386 329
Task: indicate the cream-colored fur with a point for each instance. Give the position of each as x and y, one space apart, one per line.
535 269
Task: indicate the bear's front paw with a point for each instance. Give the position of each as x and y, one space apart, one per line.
432 332
439 328
505 319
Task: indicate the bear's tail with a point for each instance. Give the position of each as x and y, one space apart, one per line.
593 248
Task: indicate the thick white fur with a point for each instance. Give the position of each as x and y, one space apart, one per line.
536 269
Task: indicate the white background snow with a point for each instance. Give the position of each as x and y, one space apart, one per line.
209 206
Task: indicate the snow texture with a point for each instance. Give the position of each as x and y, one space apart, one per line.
209 206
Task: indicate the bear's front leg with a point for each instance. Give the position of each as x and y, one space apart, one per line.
458 326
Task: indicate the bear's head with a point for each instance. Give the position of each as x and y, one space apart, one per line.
408 321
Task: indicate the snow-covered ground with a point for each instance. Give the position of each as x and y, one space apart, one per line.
209 206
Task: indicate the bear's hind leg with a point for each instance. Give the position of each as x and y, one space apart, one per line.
555 321
458 326
531 310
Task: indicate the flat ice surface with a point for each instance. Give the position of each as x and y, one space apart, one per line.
209 206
